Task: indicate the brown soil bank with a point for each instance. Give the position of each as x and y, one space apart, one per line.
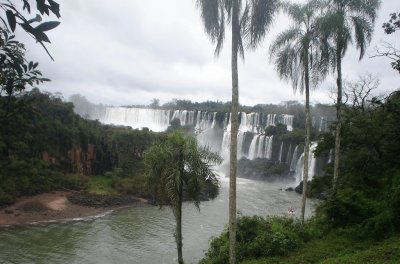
61 205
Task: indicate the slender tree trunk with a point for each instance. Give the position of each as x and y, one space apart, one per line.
338 122
178 214
178 234
234 131
306 141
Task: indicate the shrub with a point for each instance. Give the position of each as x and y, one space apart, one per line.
256 237
134 185
349 207
380 226
74 182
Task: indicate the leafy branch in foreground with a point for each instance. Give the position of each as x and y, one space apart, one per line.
390 51
14 17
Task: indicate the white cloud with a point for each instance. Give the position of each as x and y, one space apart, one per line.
128 52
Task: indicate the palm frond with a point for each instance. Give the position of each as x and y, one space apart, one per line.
179 165
288 36
211 17
295 11
262 15
364 8
228 4
244 29
221 33
363 33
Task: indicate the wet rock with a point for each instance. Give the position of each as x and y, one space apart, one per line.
290 189
299 188
93 200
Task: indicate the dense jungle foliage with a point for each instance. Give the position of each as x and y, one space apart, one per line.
44 145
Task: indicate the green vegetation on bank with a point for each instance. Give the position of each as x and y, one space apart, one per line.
339 249
44 146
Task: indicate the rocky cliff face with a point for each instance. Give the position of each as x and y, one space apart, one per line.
82 159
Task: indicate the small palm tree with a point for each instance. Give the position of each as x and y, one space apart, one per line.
179 167
345 22
216 16
297 58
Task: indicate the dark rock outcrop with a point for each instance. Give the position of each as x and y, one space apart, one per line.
93 200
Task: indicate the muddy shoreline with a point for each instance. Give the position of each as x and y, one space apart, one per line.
62 206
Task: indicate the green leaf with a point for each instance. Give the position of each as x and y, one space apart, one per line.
55 8
47 26
11 19
40 36
41 6
27 6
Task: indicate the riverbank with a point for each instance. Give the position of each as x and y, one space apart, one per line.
336 248
62 205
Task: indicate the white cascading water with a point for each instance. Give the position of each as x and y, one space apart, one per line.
288 121
253 147
289 154
330 156
261 145
268 147
156 120
203 123
293 163
311 164
280 153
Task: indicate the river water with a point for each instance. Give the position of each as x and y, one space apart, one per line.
143 234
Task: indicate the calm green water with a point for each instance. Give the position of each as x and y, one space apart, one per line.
144 234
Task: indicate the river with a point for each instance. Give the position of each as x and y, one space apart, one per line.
143 234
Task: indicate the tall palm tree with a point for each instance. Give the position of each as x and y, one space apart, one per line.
216 16
297 58
176 167
345 22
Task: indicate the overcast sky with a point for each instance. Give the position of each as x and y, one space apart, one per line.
125 52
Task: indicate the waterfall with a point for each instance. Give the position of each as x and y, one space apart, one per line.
240 144
204 121
205 126
280 153
214 120
330 156
271 120
288 121
268 152
289 154
154 119
253 147
311 164
294 159
260 147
